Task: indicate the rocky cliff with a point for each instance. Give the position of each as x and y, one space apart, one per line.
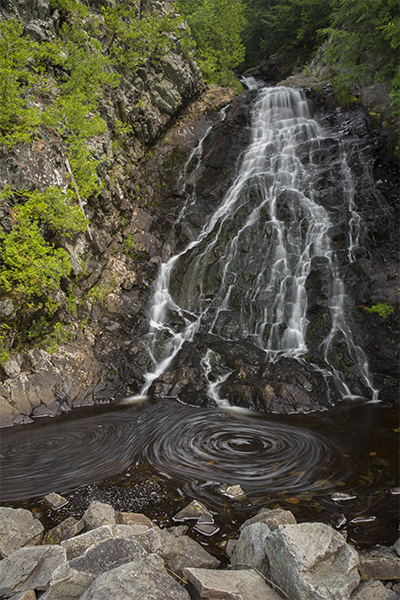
113 263
97 352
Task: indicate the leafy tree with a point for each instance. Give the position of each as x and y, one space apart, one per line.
17 120
284 25
31 266
362 28
216 26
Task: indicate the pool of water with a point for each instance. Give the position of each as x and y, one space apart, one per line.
156 456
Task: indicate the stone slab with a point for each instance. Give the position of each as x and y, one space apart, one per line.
230 585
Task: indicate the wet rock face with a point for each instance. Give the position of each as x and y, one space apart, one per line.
369 271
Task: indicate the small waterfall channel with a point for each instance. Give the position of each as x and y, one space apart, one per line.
250 260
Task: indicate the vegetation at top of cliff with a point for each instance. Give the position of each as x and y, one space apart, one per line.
217 27
365 35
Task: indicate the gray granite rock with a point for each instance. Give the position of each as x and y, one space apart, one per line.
373 590
107 555
99 514
64 531
54 500
137 519
250 549
379 562
18 527
29 569
191 554
272 518
68 584
143 579
230 585
28 595
311 561
195 510
76 546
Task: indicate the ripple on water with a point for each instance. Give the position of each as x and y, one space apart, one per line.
199 448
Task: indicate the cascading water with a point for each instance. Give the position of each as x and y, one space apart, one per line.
255 251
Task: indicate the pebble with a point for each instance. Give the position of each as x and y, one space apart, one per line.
341 496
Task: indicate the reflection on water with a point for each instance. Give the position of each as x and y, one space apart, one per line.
155 457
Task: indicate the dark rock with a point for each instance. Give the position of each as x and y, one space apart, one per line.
107 555
64 531
379 562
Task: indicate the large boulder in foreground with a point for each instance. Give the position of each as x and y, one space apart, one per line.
311 561
142 579
18 528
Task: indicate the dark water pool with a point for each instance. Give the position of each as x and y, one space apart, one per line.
155 457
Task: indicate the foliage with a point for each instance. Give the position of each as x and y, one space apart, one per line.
31 266
365 29
382 308
17 120
136 37
284 26
216 26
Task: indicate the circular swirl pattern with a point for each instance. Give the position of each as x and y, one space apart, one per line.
200 449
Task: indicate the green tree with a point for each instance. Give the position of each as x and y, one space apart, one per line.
17 120
216 26
31 266
365 28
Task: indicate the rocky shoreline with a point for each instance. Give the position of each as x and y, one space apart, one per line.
125 555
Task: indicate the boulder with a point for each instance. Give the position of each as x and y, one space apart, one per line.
28 595
63 531
250 549
311 561
29 569
191 554
54 500
99 514
107 555
78 545
373 590
18 528
142 579
230 585
379 562
135 519
272 518
68 584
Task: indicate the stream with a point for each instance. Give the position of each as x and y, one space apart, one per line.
229 308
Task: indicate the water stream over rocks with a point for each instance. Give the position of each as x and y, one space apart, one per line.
251 312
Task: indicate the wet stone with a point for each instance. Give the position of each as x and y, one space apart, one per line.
54 500
379 562
195 510
64 531
342 497
207 530
232 491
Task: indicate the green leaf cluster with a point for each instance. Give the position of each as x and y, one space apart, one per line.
18 120
31 266
383 309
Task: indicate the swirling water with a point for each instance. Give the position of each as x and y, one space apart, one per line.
157 456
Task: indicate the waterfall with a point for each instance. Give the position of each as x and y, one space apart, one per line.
248 264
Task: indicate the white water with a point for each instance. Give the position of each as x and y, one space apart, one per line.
256 249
